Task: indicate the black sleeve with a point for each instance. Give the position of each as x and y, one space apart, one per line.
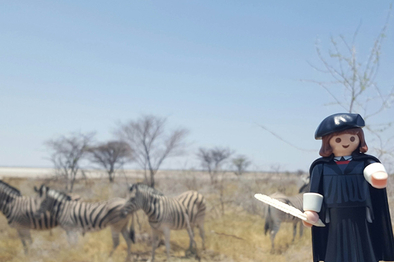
316 176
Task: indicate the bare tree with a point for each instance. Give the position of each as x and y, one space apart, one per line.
67 153
353 87
354 79
213 159
111 156
241 163
151 142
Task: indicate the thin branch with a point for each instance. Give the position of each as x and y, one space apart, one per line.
283 140
227 235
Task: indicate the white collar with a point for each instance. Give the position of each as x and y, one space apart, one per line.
347 158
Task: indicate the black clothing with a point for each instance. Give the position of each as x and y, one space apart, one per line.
357 218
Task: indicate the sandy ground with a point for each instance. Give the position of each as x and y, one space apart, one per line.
32 172
23 172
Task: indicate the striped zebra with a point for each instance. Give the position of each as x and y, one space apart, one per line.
274 217
84 217
19 211
166 213
195 209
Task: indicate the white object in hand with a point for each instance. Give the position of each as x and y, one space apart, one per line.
287 209
312 202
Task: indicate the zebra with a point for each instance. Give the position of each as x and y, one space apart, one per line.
195 209
85 217
166 213
306 185
19 211
274 217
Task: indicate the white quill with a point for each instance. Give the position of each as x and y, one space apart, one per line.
286 208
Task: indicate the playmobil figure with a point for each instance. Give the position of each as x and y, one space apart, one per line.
352 187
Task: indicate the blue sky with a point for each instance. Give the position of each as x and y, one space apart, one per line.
217 68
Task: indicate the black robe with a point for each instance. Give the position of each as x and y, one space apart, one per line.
358 225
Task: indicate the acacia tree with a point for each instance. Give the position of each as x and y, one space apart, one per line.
152 143
67 153
241 163
111 156
352 84
213 159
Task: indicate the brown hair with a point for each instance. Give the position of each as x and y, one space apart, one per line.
326 149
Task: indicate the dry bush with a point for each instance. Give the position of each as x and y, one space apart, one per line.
191 181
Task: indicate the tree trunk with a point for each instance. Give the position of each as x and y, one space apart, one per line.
111 177
152 179
72 182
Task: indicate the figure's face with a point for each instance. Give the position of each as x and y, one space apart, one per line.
344 144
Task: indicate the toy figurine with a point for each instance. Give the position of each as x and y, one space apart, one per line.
347 192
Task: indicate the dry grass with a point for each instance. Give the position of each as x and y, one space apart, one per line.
236 235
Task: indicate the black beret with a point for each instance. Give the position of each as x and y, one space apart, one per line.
337 123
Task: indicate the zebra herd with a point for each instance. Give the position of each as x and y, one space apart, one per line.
51 208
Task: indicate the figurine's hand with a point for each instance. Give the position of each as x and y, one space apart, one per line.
379 179
376 175
312 216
